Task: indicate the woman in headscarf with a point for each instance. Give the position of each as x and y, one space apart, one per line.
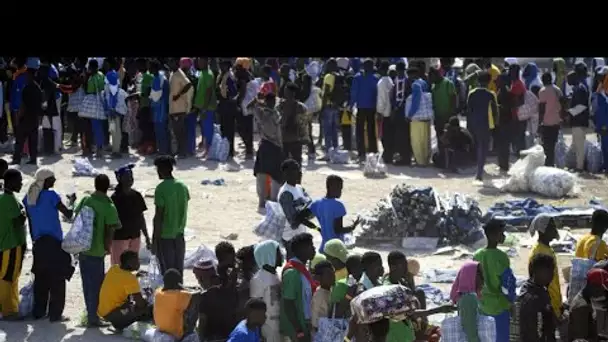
266 285
559 74
131 206
601 119
115 99
52 265
531 76
159 105
465 293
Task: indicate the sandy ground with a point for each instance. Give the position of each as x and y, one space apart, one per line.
217 211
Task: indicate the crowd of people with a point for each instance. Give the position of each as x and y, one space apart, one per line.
111 104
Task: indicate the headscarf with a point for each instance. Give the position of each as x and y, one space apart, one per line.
335 248
343 63
470 70
265 253
244 62
511 60
33 63
185 62
598 277
122 170
112 80
42 174
313 70
531 74
540 223
560 73
466 281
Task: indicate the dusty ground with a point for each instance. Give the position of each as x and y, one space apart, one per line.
217 211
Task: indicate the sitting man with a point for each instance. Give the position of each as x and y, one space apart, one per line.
175 308
120 300
455 147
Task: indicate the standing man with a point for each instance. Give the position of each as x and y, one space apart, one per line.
363 95
159 107
116 104
333 99
401 90
18 83
579 116
481 111
171 200
227 107
28 112
383 107
550 99
91 262
179 106
293 123
518 92
444 100
206 102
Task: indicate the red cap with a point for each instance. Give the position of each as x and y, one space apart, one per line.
598 277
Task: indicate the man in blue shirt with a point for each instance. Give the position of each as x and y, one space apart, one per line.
330 211
248 330
363 95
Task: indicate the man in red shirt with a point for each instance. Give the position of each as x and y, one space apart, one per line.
518 91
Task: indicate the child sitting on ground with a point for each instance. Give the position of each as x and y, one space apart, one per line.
455 146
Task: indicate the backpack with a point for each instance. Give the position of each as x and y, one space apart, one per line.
339 95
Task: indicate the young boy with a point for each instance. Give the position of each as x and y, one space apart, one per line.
372 270
330 212
120 300
249 329
171 199
346 289
497 274
532 310
324 273
591 245
547 232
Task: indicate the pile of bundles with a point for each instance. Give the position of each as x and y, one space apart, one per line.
565 156
420 212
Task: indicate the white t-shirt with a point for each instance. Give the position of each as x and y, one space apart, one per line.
298 194
267 286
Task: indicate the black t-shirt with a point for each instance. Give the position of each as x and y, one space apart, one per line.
130 206
219 304
31 101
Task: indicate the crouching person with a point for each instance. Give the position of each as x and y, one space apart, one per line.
120 300
455 146
176 308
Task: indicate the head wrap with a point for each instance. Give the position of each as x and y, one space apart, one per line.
204 264
466 281
598 277
343 63
265 253
244 62
540 223
42 174
185 62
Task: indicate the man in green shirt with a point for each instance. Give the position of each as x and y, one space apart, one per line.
297 287
444 99
12 244
91 262
205 101
171 201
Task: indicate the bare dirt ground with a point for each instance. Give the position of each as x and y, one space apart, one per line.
217 211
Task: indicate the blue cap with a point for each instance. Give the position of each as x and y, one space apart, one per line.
112 77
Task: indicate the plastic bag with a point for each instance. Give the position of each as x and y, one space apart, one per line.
253 87
82 167
593 157
338 156
552 182
26 300
272 225
144 254
152 334
452 331
79 238
313 103
578 275
522 169
137 330
152 280
220 147
560 151
374 168
570 158
200 252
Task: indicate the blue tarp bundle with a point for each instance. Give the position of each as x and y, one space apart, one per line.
522 212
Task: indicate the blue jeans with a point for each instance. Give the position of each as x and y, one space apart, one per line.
502 326
162 137
191 131
98 134
92 272
207 126
604 142
331 122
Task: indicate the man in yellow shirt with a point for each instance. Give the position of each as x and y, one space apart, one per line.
545 225
494 72
591 245
120 300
